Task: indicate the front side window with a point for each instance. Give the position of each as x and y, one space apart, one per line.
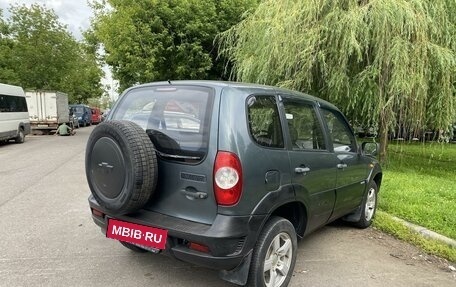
12 104
176 118
264 121
341 135
304 127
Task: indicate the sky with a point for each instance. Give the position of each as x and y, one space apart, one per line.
73 13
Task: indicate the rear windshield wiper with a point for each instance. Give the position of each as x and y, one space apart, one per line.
176 156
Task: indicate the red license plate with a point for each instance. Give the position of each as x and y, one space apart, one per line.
137 234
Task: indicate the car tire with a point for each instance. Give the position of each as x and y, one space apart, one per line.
369 206
274 255
121 166
20 136
133 247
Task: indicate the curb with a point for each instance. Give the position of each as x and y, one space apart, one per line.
426 232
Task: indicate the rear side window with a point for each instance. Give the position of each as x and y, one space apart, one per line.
176 118
264 121
303 125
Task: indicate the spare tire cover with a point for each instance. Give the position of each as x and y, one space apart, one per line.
121 166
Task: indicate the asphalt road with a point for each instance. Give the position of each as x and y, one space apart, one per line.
47 237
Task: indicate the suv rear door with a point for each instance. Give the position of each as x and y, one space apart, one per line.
178 120
313 166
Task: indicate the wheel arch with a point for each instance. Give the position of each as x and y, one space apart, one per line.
378 179
295 212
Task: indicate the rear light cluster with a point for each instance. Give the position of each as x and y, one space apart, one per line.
227 178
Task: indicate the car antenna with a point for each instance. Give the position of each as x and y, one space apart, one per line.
169 82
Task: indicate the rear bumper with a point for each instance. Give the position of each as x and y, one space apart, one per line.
229 238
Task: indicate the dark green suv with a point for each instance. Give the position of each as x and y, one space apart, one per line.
227 175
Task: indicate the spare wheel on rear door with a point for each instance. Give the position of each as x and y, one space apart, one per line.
121 166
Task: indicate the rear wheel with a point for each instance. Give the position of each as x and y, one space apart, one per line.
20 136
274 255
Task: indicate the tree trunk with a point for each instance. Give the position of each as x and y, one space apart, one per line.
383 137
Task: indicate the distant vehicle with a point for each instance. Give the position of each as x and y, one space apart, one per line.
83 113
96 115
74 122
14 116
47 110
105 114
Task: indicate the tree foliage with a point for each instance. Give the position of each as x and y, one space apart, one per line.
38 52
149 40
7 73
386 63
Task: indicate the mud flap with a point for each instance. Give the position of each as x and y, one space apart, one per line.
354 216
240 274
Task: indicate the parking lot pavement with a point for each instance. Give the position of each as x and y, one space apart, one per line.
47 237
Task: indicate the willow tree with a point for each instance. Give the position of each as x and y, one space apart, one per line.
385 63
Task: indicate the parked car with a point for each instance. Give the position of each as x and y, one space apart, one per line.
96 115
83 113
74 122
253 169
14 115
105 114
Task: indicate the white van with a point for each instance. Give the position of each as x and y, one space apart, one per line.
14 116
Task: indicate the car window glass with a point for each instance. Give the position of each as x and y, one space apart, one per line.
176 118
341 135
304 127
14 104
264 121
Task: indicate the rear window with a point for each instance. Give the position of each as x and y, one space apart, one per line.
176 118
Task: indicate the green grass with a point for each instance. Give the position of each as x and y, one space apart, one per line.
385 223
419 185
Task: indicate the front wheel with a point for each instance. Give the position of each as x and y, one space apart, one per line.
369 206
274 255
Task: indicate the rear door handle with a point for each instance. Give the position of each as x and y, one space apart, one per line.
194 194
341 165
302 169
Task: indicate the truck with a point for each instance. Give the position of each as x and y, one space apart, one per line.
47 110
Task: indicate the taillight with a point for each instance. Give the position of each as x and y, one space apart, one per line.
227 178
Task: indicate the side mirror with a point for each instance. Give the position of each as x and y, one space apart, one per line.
370 148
